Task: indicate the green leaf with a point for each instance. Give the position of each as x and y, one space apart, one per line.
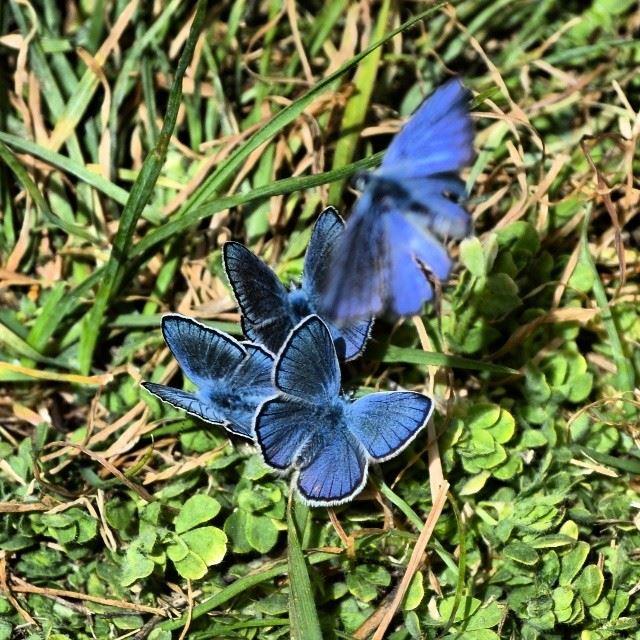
521 552
572 562
590 583
196 510
136 567
209 543
472 256
261 532
485 617
415 592
474 484
192 566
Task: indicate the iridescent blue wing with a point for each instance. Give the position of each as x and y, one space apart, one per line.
438 138
354 289
255 370
332 467
307 366
282 426
262 298
436 205
247 388
327 233
203 353
189 402
386 422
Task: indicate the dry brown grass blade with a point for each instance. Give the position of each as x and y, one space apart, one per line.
23 507
604 192
415 561
6 590
436 474
141 491
571 314
21 586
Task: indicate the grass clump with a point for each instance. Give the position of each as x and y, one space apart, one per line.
123 516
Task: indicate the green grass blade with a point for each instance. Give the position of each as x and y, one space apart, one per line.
95 180
304 623
238 587
280 187
624 364
30 187
138 198
220 178
418 356
358 105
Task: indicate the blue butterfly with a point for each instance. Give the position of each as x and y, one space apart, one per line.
413 197
327 439
269 311
232 378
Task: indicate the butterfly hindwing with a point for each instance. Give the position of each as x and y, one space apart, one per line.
188 402
386 422
332 467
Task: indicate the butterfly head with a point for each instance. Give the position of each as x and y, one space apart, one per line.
360 180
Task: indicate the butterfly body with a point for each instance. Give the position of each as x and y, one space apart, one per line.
270 310
407 206
326 438
232 378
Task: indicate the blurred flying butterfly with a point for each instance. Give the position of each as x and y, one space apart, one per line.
327 439
232 378
409 202
269 311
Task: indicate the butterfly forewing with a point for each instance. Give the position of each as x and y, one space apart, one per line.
438 137
307 367
262 298
203 353
386 422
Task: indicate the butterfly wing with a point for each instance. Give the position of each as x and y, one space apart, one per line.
436 212
189 402
332 467
307 366
246 389
354 289
203 353
386 422
282 426
262 298
327 233
438 138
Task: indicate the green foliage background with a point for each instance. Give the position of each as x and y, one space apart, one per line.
111 216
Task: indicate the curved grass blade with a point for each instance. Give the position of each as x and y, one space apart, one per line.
418 356
220 178
358 104
138 198
236 588
303 617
